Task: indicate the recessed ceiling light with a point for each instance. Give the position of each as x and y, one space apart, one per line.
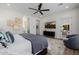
66 6
8 4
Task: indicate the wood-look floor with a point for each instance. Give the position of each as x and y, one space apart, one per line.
68 51
56 47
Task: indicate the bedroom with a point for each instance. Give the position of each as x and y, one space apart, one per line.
26 19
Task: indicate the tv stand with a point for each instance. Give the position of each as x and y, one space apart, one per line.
49 33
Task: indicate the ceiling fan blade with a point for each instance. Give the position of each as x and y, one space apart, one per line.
45 10
35 12
41 13
33 9
39 6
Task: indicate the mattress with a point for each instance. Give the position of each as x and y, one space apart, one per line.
19 47
25 45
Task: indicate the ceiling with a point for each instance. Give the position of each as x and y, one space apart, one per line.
54 8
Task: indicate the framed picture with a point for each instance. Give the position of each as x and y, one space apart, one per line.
66 27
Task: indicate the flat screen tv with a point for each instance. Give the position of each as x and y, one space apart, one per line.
50 25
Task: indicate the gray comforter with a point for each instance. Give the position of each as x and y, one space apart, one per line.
38 42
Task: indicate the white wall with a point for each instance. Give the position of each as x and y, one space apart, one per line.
6 14
71 17
42 24
10 14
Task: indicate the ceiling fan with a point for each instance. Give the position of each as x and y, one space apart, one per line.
39 9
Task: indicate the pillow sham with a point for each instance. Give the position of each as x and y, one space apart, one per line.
10 37
3 41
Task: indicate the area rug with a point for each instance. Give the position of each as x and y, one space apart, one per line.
56 47
68 51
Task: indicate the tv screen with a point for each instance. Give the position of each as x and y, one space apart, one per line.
50 25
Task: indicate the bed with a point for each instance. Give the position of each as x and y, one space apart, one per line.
26 44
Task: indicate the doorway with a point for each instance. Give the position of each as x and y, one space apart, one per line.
37 27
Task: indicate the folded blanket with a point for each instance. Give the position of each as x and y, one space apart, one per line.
38 42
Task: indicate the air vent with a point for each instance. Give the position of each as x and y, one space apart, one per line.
60 4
